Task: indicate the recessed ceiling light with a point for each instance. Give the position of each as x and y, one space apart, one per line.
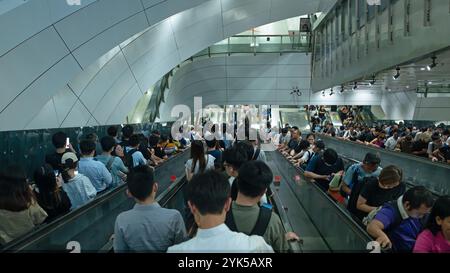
422 69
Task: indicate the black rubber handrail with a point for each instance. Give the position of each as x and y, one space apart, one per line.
398 154
295 246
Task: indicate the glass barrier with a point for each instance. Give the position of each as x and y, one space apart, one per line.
297 42
91 226
417 171
28 148
339 232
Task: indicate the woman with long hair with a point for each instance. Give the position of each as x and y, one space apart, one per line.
199 162
50 195
436 236
19 210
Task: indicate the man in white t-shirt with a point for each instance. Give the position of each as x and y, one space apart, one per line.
209 201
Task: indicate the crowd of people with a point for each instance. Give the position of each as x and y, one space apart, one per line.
227 206
432 142
70 178
377 198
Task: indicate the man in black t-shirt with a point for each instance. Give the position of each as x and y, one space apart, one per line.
59 142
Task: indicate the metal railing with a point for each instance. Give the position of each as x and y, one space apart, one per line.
253 44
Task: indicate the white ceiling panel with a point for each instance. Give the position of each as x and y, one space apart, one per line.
96 47
78 116
46 117
22 110
87 23
26 63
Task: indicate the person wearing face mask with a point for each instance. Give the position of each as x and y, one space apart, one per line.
397 225
436 236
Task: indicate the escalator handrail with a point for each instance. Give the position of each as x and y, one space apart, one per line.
295 246
45 229
399 154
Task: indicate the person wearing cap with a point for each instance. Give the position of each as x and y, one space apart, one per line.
78 187
368 168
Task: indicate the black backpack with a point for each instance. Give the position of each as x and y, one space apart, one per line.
356 191
256 154
265 213
129 158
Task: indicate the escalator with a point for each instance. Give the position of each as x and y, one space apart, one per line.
324 225
366 116
303 208
298 118
92 225
334 118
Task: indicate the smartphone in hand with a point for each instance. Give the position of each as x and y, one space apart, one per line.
67 143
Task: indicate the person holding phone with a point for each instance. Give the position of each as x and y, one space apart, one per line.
62 145
50 195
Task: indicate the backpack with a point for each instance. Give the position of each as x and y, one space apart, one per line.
256 154
356 190
265 213
129 158
110 162
310 156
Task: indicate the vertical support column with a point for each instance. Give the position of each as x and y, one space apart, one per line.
407 25
377 27
390 23
427 13
366 33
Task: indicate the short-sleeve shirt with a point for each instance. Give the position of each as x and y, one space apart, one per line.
148 228
79 190
97 173
54 160
246 217
292 143
377 196
209 164
117 166
318 166
138 158
361 174
403 237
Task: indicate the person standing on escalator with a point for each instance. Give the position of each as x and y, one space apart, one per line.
247 216
147 227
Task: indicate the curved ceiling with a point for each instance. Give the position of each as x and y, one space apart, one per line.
64 66
265 79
